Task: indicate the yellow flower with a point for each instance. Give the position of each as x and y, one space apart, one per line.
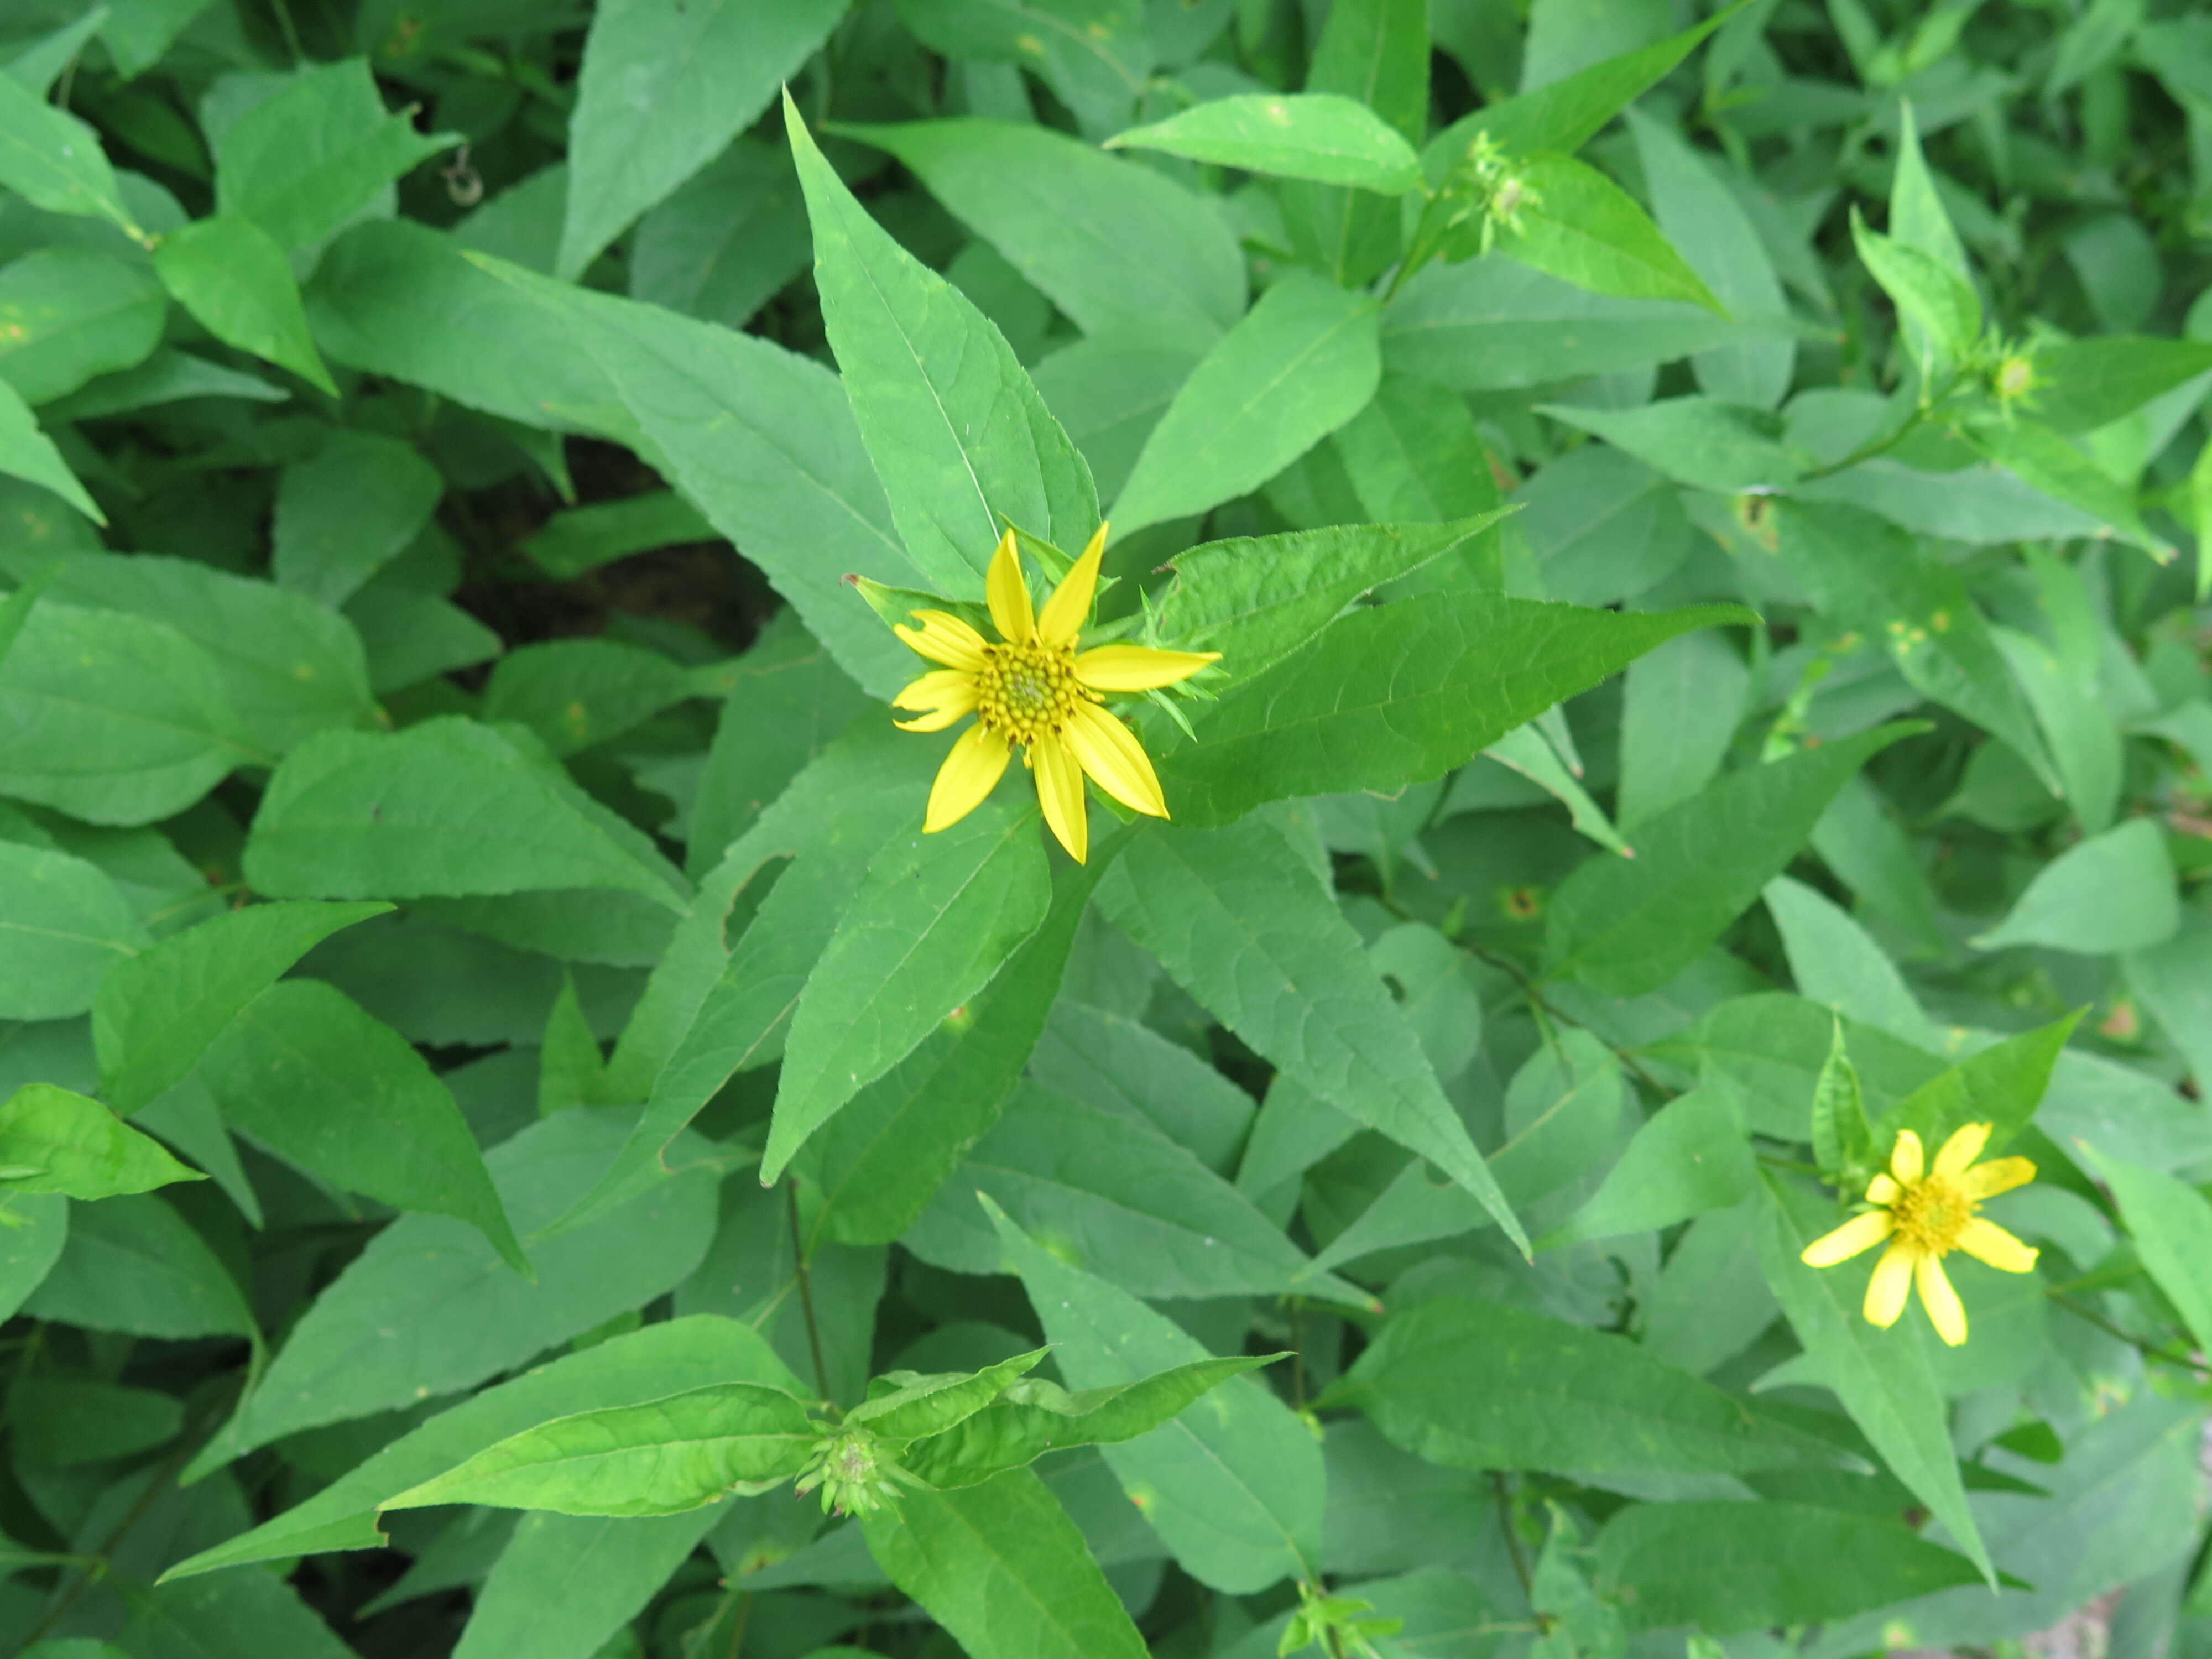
1032 687
1925 1214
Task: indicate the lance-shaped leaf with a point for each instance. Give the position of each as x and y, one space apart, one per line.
155 1014
1584 228
658 1458
1479 1385
1244 926
64 926
2171 1223
1321 135
1883 1377
1001 1567
935 920
923 1406
232 276
1035 1416
54 162
1625 927
1935 299
2082 385
54 1141
2001 1086
1400 693
964 444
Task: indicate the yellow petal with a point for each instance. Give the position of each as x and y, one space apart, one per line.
1999 1174
1883 1189
1908 1162
1861 1232
1065 612
1945 1311
1985 1240
968 775
1059 791
1138 667
1964 1146
1008 594
1890 1284
943 637
1109 752
944 694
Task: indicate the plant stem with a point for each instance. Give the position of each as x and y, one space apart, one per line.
1513 1539
2135 1342
806 1290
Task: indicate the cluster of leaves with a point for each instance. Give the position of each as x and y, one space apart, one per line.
513 1142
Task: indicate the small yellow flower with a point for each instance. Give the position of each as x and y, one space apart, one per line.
1925 1214
1032 687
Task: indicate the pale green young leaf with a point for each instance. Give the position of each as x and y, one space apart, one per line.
964 444
1242 925
1883 1378
309 1073
231 276
1579 226
63 925
2171 1223
2112 893
1001 1567
1400 693
1300 364
1938 303
1111 242
53 1141
920 1406
1480 1385
660 1457
1917 218
1320 135
1842 1138
1234 1486
1627 927
935 918
705 71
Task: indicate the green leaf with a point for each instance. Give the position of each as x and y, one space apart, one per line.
1112 243
113 719
880 1160
569 544
344 515
1581 228
231 276
706 72
1400 693
456 1312
1842 1138
1242 925
1773 1047
570 1585
1680 705
1376 51
53 161
27 454
1729 448
1883 1378
935 919
258 1611
1033 1417
446 807
2001 1086
723 245
2082 385
311 1076
1095 55
139 32
312 154
1257 598
2171 1223
63 1143
1003 1571
1415 458
1625 927
155 1014
2175 980
1114 1197
1479 1385
2043 460
1836 961
574 693
1731 1567
63 926
67 314
1321 136
2110 893
132 1265
963 442
1937 303
670 1358
662 1457
1691 1157
1234 1489
29 1248
1301 363
2085 742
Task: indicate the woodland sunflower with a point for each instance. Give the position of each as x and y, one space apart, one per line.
1031 687
1925 1214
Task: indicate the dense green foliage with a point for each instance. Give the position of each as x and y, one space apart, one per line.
1685 742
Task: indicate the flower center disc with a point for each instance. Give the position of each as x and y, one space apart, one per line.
1024 691
1931 1214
